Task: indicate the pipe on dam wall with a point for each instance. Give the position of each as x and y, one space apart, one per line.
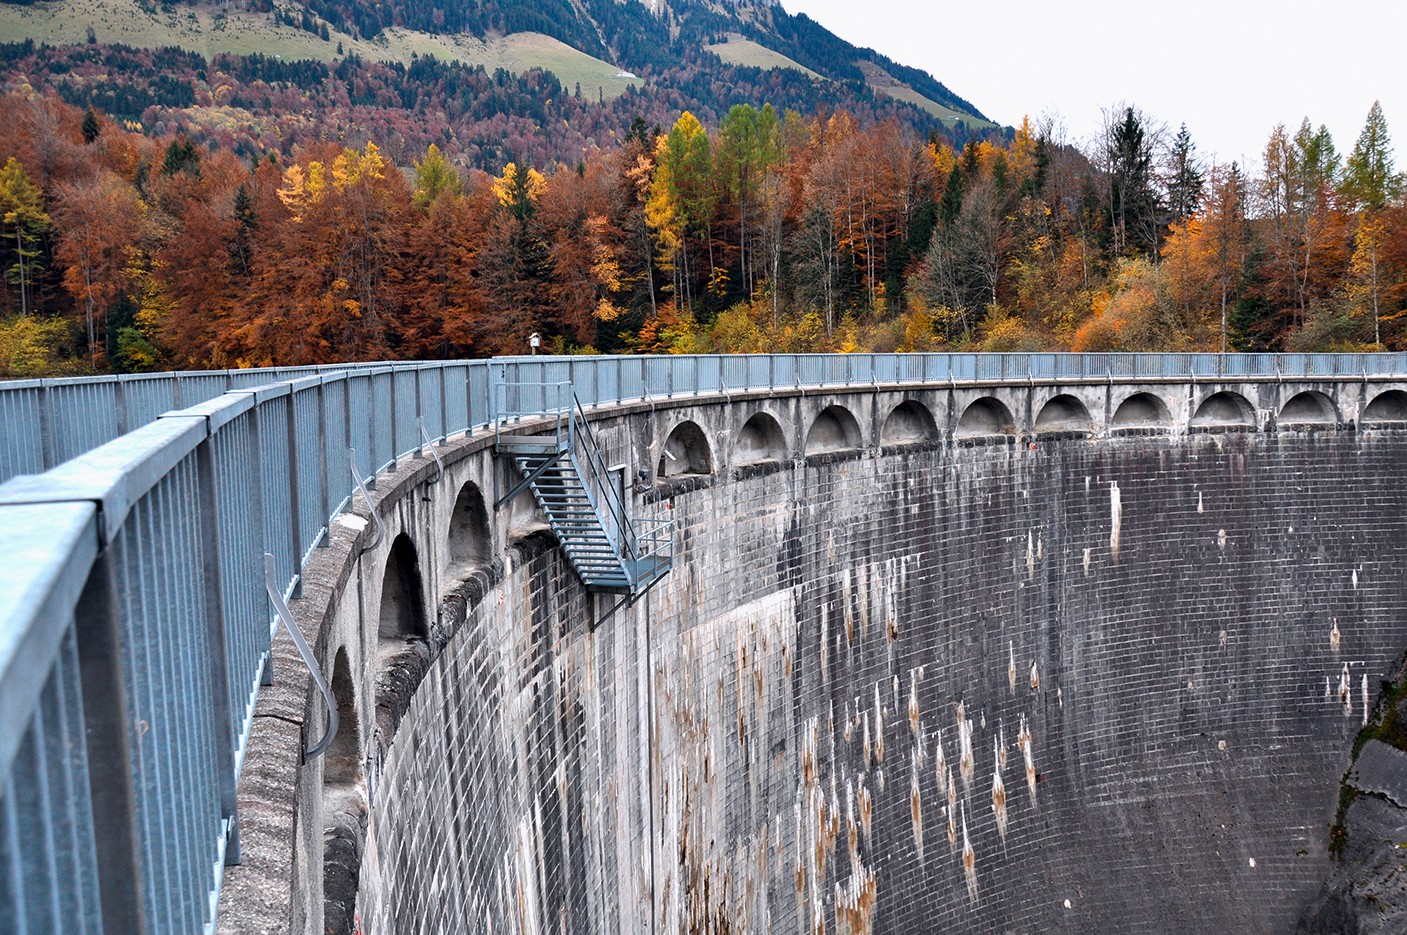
906 676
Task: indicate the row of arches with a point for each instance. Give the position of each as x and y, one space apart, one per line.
402 631
835 429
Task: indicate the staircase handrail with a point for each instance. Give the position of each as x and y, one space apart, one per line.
561 412
599 478
572 426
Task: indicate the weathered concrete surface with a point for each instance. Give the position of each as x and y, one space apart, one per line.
802 728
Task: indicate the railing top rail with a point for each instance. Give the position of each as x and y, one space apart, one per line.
222 409
50 548
114 475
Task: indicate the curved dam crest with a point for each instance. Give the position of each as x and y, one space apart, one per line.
922 665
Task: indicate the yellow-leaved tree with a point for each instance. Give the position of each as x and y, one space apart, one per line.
518 190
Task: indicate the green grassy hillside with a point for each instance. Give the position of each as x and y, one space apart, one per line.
207 31
738 50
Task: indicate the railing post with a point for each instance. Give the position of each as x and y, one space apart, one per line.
346 420
295 523
222 714
395 426
371 409
119 393
48 455
444 402
107 726
419 389
324 488
256 495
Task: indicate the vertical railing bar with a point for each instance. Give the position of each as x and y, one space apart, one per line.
203 819
217 631
168 655
77 796
120 404
444 405
38 735
295 524
47 454
15 847
324 488
106 717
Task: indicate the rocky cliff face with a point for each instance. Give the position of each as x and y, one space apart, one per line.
1366 893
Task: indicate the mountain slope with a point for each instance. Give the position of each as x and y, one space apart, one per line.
630 34
488 81
212 31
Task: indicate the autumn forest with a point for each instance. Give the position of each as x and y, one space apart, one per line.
770 231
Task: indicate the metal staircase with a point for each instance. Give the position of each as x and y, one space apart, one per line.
562 465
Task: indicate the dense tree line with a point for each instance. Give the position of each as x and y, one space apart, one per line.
764 231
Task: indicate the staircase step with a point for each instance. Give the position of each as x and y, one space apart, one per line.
529 442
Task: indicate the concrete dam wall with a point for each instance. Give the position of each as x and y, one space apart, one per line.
967 660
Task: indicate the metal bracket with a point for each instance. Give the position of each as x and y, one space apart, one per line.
361 485
431 445
526 482
281 608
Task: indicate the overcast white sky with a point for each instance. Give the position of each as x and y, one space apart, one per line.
1229 69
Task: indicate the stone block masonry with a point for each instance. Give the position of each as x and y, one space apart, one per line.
1002 683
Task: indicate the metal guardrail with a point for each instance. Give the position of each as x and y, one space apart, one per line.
135 629
45 422
134 621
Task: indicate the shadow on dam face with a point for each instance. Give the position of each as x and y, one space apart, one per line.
915 692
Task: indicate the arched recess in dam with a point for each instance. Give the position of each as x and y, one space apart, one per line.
1224 410
908 423
1309 408
1389 406
760 441
985 416
1064 413
686 451
1141 411
1090 684
834 429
